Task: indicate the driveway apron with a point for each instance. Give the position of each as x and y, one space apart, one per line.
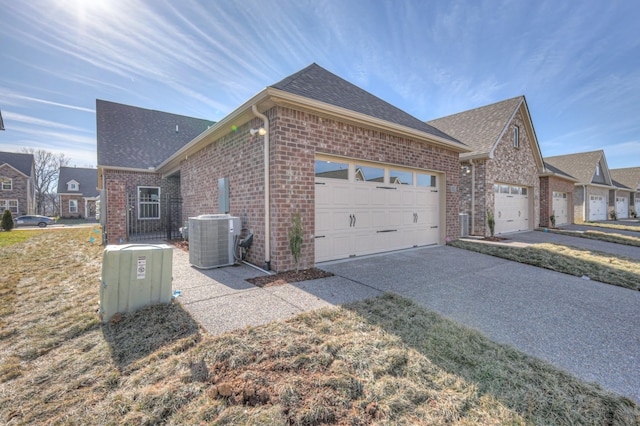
587 328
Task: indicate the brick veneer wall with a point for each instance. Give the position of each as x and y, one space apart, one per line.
19 189
120 183
514 166
549 185
296 137
64 206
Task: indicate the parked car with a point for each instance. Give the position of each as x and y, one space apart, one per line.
33 220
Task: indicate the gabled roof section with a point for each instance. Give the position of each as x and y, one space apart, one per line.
629 177
480 128
87 180
555 171
315 82
581 165
21 162
138 138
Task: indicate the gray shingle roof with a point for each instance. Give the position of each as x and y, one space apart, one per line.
556 170
139 138
315 82
581 165
629 177
21 162
481 127
86 178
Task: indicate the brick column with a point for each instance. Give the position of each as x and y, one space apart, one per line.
116 211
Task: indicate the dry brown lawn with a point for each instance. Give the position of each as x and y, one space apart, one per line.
380 361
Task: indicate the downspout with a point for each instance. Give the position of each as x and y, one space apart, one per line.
267 215
473 197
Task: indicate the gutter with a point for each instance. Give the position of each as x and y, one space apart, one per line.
267 213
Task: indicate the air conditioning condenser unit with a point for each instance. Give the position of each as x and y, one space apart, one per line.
212 240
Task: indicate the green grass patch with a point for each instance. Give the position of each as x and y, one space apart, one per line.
604 267
380 361
15 237
601 236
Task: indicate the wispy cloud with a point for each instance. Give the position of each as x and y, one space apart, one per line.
21 118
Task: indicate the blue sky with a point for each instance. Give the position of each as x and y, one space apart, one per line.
577 62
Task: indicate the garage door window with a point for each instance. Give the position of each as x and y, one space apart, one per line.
369 174
426 180
332 170
399 177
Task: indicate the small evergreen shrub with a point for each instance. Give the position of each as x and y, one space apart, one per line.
7 221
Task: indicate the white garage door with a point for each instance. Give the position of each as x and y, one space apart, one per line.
637 209
597 207
511 208
560 208
622 207
363 208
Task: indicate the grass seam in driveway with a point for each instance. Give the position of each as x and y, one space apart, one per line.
596 235
595 265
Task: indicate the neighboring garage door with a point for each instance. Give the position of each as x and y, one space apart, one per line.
511 208
622 207
637 209
363 208
597 207
560 208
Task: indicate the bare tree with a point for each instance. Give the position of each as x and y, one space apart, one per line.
47 166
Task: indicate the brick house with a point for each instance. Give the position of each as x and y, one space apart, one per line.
17 183
629 178
77 192
593 189
501 173
556 197
365 176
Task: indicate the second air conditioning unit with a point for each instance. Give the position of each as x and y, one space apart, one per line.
212 239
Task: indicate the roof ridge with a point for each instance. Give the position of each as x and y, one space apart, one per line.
478 108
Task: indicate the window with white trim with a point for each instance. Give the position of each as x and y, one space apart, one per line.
73 206
148 202
11 205
516 137
6 184
72 186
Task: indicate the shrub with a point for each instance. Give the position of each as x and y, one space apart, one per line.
491 222
295 239
552 218
7 221
613 215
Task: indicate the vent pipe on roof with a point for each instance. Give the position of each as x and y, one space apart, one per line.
267 213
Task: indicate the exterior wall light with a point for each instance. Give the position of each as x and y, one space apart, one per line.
261 131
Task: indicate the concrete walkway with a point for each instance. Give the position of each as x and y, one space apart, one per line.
590 329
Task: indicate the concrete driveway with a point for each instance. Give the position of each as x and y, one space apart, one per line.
588 328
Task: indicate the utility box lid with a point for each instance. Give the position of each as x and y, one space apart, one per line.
134 276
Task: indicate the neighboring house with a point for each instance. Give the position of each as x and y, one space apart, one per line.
17 183
334 153
630 178
593 182
556 197
77 192
501 173
1 122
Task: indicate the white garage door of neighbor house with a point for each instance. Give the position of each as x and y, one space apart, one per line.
622 207
560 207
637 209
364 208
597 207
511 208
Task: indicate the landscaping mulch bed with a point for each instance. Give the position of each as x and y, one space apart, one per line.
494 239
289 277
